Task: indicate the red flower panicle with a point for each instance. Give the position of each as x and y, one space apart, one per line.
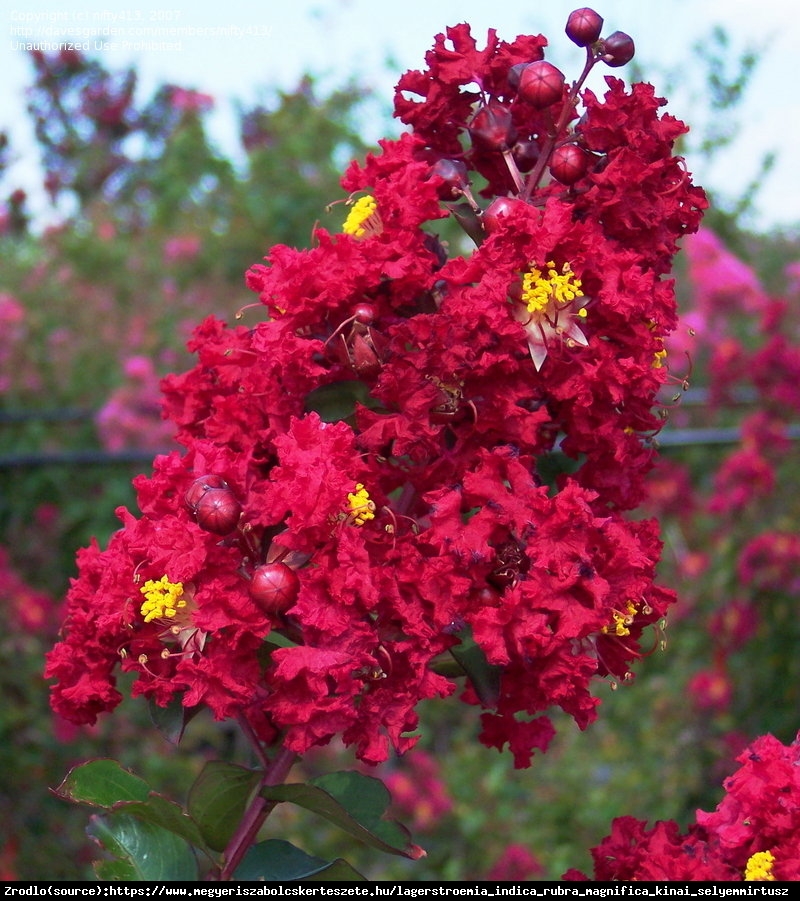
419 453
753 835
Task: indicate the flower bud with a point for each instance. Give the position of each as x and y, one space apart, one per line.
364 313
218 511
274 587
584 26
497 210
541 84
492 128
199 487
525 154
569 163
617 49
454 178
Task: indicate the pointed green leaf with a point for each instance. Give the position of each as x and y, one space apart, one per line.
145 852
276 860
102 783
114 870
354 802
485 677
469 220
172 720
218 798
337 401
160 811
337 871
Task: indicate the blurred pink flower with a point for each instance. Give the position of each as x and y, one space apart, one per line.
722 281
35 612
131 417
711 690
182 248
516 864
418 791
187 100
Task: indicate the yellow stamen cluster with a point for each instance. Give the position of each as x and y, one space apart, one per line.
362 509
622 621
540 288
163 599
363 219
759 867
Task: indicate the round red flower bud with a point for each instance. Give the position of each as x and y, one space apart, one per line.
541 84
525 154
454 178
568 163
492 128
618 49
274 587
218 511
497 210
364 313
199 487
584 26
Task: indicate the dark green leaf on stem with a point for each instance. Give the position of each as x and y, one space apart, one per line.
485 677
356 804
159 811
144 852
172 720
276 861
218 799
102 783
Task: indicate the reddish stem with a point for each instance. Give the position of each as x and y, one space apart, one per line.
256 813
532 182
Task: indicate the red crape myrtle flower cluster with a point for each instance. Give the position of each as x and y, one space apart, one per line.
372 500
753 835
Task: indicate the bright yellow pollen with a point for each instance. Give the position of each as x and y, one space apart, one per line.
362 509
759 867
357 222
539 289
164 599
622 621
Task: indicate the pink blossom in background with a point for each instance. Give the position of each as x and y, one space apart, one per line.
517 864
771 562
419 792
12 316
190 101
131 417
33 611
711 690
722 281
182 248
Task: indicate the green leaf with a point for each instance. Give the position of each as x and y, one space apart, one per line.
338 401
102 783
552 465
172 720
276 861
160 811
354 802
469 220
144 852
218 799
484 676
